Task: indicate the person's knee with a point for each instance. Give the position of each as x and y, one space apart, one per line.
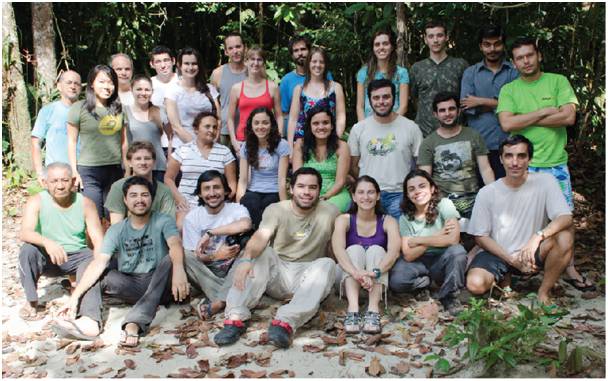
456 254
477 284
28 254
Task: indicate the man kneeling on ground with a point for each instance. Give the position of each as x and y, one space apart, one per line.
54 228
209 254
293 266
510 223
141 273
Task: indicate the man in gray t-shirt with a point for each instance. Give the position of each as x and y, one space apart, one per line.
148 267
510 223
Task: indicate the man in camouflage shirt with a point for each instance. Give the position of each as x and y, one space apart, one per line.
438 72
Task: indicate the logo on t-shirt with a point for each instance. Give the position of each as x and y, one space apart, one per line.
265 161
110 124
450 160
303 232
382 146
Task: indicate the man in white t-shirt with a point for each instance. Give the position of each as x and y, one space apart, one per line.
162 61
384 145
510 222
209 254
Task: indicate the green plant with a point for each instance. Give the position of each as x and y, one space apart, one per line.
492 337
14 175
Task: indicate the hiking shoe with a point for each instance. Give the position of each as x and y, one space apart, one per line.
452 305
233 329
372 323
352 323
279 334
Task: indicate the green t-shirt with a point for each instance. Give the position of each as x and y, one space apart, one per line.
100 139
521 97
140 251
419 228
66 227
163 199
453 160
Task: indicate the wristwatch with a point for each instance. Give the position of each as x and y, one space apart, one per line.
208 232
541 234
377 272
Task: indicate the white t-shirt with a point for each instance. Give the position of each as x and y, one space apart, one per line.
193 164
386 151
510 216
198 221
126 98
189 104
158 100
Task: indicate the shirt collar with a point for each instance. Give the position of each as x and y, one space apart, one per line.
505 62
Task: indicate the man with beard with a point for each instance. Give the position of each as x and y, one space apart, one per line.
539 106
480 86
287 259
123 66
384 145
453 153
225 76
140 262
51 124
438 72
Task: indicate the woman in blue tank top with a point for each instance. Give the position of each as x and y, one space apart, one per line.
366 243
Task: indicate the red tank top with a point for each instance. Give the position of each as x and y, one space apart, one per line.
247 105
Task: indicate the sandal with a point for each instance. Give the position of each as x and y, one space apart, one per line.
73 332
372 323
352 323
580 285
124 336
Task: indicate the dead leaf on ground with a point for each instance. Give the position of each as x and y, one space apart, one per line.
400 369
191 352
375 339
39 374
401 354
281 372
246 373
203 365
71 360
424 349
419 338
94 346
375 368
330 354
263 359
235 361
312 348
70 349
62 343
339 340
382 351
416 364
130 364
590 294
105 371
154 330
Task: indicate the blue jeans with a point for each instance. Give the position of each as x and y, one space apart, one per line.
96 183
391 203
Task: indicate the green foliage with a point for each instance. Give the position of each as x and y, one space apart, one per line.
13 175
493 338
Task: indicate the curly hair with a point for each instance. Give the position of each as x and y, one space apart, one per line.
251 140
310 141
407 206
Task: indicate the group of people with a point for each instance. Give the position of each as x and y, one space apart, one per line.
241 187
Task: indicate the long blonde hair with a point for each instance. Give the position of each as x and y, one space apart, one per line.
253 51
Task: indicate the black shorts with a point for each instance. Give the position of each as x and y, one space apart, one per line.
499 268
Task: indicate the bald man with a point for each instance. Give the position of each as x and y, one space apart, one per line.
123 66
51 123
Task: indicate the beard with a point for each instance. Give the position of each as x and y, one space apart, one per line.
305 207
300 61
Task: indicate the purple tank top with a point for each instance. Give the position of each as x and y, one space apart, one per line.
379 237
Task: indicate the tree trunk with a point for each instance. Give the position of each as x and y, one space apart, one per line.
261 23
44 48
13 87
401 35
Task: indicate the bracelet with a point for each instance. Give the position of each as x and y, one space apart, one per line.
250 260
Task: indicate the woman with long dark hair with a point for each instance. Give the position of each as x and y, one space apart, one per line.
266 155
430 237
97 122
189 97
382 63
322 150
366 244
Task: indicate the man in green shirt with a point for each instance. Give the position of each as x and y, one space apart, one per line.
439 72
141 159
148 267
539 106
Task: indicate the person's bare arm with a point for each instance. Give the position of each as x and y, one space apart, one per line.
485 169
338 247
510 122
297 160
393 248
427 168
232 105
278 112
404 98
354 166
29 234
216 77
37 158
342 168
440 239
294 111
360 107
565 116
93 223
73 131
243 179
124 146
179 281
283 167
116 218
410 253
340 110
176 123
173 167
230 172
484 104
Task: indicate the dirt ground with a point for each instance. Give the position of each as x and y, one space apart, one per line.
179 345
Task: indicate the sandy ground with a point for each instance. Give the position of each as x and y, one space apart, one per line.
179 345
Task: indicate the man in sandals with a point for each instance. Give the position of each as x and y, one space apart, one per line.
131 265
209 257
54 228
285 258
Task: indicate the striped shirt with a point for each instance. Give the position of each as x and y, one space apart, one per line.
193 164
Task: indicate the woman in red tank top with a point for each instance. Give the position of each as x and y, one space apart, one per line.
253 92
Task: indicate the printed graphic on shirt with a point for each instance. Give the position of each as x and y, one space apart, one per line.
110 124
303 232
137 249
382 146
451 160
265 161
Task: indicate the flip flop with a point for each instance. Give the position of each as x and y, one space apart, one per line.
73 333
123 339
576 284
204 310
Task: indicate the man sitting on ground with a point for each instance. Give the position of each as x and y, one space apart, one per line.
510 223
141 273
141 157
54 229
285 258
209 255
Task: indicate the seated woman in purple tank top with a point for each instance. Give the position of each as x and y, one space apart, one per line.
366 243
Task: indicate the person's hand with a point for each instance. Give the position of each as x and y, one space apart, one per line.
69 310
181 204
56 252
367 282
471 101
77 182
527 252
518 261
449 227
243 271
236 145
227 251
548 111
179 284
202 244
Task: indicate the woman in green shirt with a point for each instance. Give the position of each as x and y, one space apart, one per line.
97 122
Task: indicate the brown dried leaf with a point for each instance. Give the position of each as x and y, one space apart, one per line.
401 369
330 354
263 359
375 369
237 360
280 373
39 374
105 371
71 360
382 351
375 339
203 365
62 343
401 354
82 369
191 352
70 349
416 364
419 338
424 349
246 373
263 338
312 348
342 358
130 364
355 356
590 294
154 330
94 346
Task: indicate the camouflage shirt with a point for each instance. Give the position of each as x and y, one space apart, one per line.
427 78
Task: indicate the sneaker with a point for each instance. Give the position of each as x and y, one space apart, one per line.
352 323
279 334
372 323
233 329
452 305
